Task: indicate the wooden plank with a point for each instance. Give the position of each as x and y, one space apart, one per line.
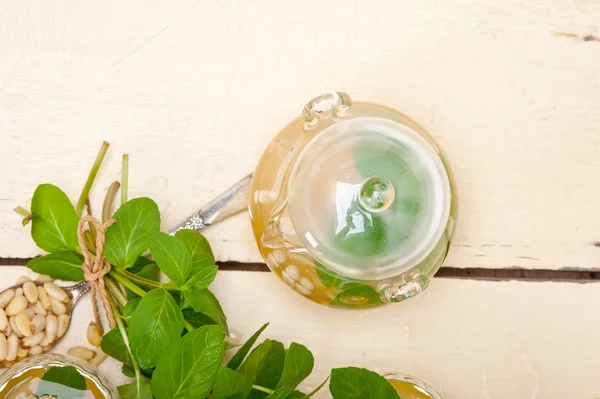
187 87
469 339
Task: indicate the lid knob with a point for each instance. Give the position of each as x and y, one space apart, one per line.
376 194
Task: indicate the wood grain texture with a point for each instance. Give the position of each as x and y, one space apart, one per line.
469 339
194 90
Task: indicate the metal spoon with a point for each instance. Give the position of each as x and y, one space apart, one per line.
233 201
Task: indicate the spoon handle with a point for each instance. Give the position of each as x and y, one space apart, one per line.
229 203
78 290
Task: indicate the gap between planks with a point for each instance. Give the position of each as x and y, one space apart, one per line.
471 273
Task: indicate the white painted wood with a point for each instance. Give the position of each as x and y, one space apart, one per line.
469 339
194 90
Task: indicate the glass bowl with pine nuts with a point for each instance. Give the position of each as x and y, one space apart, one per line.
34 316
24 380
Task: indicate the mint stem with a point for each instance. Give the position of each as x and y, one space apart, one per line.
109 198
112 286
128 284
262 389
188 325
147 282
91 177
124 178
22 211
123 332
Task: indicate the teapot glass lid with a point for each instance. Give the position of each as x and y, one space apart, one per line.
369 197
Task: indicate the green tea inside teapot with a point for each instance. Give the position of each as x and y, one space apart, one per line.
352 204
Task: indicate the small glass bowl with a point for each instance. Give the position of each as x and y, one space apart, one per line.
55 360
417 383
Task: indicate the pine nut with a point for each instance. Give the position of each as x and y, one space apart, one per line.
93 334
51 327
63 324
19 292
29 312
3 320
56 292
99 358
14 327
39 308
81 352
34 340
35 350
58 307
22 279
8 330
12 347
45 342
30 291
43 297
16 306
38 323
43 278
6 297
3 347
46 348
22 352
23 324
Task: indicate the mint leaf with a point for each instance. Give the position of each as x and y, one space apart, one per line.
138 389
53 219
329 278
203 301
171 256
231 385
126 239
282 393
156 323
239 356
64 265
67 376
264 365
113 345
198 247
145 268
197 319
357 383
130 308
188 368
299 363
203 278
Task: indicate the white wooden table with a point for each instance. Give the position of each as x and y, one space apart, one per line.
510 89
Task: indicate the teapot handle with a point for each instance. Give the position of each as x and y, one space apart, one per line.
335 105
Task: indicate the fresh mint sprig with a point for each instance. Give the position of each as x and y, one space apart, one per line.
171 336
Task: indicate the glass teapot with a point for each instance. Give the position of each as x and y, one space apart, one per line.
353 204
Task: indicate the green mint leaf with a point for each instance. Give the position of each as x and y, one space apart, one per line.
366 295
231 385
282 393
357 383
62 382
171 256
53 219
240 355
130 308
330 278
126 238
127 371
198 247
299 363
188 368
64 265
113 345
145 268
139 264
155 325
203 278
203 301
264 366
197 319
138 389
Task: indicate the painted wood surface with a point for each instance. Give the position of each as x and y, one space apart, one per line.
468 339
194 90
